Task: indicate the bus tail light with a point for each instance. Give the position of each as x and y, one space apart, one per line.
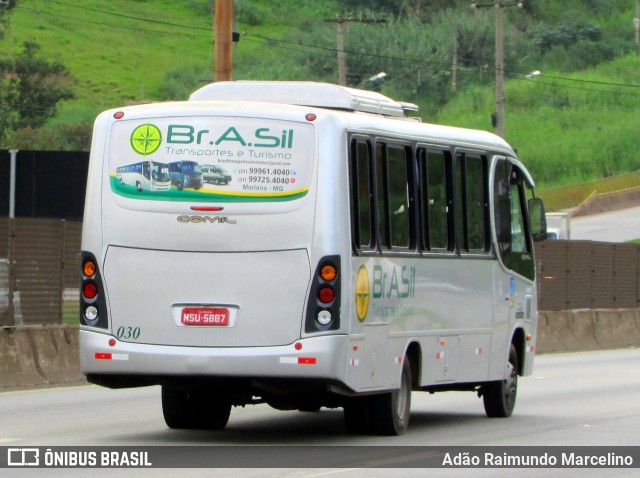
93 310
326 295
90 290
323 308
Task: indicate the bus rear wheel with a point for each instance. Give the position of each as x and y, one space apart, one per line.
500 397
389 412
383 414
357 416
195 409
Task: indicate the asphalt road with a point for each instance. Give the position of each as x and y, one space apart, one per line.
613 226
571 399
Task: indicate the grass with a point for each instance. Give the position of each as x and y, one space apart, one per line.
70 312
574 194
117 58
111 67
566 132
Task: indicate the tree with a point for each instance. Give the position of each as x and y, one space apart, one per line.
5 6
30 90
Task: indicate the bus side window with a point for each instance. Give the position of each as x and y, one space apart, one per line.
399 200
472 208
382 193
361 194
393 177
434 170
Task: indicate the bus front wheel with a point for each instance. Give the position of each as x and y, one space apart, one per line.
500 397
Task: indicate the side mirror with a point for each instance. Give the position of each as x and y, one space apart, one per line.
538 219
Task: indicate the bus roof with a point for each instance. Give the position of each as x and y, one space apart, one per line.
304 93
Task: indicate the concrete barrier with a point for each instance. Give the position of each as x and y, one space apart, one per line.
580 330
40 356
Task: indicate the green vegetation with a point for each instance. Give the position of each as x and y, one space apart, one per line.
564 135
576 122
70 312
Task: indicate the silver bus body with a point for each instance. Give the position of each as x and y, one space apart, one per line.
224 290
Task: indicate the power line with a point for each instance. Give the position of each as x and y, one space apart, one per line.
129 16
273 42
480 63
112 25
537 81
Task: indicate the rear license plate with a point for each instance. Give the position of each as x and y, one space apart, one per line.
212 316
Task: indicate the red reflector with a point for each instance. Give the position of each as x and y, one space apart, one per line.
206 208
310 117
90 290
326 295
103 356
307 360
118 115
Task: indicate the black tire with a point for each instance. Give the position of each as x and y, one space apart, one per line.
176 408
138 186
210 410
195 409
357 415
179 185
500 397
390 412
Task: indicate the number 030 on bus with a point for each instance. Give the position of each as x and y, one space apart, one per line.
352 256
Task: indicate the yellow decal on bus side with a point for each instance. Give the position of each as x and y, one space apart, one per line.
362 293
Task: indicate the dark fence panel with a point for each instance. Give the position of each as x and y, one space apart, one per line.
588 275
579 277
48 183
41 259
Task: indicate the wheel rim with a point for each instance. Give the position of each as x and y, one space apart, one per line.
402 397
510 385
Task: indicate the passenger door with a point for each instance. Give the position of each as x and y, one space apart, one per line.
515 273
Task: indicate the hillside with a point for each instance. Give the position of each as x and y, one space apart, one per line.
574 122
567 127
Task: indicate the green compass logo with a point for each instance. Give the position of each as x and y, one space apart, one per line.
362 293
146 139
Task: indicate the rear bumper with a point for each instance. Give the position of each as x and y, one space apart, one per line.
319 358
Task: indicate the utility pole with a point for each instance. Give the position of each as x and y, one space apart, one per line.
499 116
223 37
499 73
342 57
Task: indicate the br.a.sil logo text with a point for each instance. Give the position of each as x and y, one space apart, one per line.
147 138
